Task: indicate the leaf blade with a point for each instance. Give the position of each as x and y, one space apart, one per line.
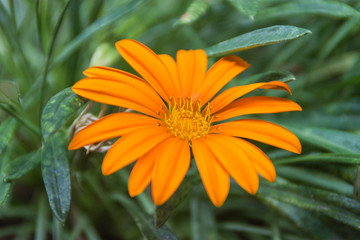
56 175
257 38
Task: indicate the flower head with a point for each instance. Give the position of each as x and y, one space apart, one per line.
176 112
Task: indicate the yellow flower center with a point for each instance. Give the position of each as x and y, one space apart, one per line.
186 119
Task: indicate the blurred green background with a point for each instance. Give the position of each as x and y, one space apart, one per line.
47 192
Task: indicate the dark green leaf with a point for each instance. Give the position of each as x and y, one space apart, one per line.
163 212
249 8
303 219
58 109
312 204
257 38
316 178
7 129
56 174
17 168
144 222
4 189
333 140
318 7
323 157
317 194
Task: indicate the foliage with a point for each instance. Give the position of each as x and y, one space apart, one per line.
45 46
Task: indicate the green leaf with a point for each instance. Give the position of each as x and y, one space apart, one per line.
4 189
303 219
317 194
317 7
331 139
249 8
163 212
56 174
323 158
308 202
7 129
9 93
196 9
143 222
316 178
17 168
58 109
257 38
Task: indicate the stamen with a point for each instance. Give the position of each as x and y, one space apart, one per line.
186 119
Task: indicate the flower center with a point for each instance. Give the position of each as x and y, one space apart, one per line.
186 120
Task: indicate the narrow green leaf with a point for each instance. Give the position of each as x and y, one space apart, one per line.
20 166
257 38
7 129
4 189
163 212
331 139
143 222
342 32
196 9
58 109
249 8
303 219
322 157
304 8
312 204
56 174
317 194
315 178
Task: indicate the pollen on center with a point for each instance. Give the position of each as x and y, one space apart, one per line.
186 119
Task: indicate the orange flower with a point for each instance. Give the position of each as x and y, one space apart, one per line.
176 112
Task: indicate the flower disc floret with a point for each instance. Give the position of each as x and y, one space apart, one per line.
186 119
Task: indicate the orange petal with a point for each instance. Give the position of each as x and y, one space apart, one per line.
259 160
172 163
236 162
132 146
220 74
136 95
262 131
214 177
226 97
172 67
192 65
141 173
127 78
147 64
111 126
253 105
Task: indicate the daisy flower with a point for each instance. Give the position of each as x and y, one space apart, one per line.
176 113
